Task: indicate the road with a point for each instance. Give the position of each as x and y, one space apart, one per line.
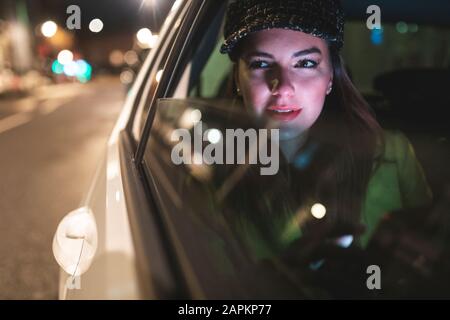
50 144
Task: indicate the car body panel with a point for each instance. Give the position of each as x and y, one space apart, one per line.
113 273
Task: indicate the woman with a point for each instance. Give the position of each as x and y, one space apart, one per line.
287 67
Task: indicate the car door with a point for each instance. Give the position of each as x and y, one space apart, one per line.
87 239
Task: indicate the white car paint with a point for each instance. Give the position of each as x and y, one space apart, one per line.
112 272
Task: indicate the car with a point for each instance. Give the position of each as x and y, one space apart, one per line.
149 227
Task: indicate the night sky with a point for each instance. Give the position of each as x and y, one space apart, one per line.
117 15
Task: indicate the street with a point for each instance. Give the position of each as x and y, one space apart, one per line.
50 145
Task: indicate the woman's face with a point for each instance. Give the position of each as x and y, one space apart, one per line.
285 75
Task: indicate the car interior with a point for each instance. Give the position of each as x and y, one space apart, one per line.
402 70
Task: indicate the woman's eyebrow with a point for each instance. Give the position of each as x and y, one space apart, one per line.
295 55
306 51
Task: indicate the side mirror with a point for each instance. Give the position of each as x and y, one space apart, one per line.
75 241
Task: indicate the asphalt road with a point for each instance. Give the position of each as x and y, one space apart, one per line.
50 144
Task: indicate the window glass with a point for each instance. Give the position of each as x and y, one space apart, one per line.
395 47
148 87
258 220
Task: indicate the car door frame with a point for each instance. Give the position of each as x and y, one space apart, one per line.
157 268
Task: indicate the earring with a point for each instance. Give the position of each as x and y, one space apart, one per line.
329 90
238 90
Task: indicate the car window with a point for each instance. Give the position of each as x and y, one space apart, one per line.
241 233
158 58
396 46
207 73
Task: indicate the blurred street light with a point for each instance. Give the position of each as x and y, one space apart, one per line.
49 29
65 57
116 58
414 27
57 67
144 37
318 211
96 25
214 135
127 76
80 69
84 71
131 58
71 69
401 27
153 40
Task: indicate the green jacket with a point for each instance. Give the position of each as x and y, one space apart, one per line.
397 182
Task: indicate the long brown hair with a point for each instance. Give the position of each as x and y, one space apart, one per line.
348 123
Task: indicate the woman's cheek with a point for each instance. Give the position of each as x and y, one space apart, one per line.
315 101
311 96
257 96
312 92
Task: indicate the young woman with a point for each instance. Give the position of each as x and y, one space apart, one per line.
340 162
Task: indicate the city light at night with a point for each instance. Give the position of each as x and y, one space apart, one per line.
49 29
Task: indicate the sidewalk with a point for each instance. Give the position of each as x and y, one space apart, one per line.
13 86
18 101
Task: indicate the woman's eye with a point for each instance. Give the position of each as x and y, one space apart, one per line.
306 64
258 65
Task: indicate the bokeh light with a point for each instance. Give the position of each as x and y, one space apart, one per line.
127 76
65 57
96 25
131 58
49 29
57 67
84 71
377 36
318 211
116 58
145 38
401 27
153 41
414 27
70 69
214 136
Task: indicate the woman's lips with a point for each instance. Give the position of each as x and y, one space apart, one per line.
283 113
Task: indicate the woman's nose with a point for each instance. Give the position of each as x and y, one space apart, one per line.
281 85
